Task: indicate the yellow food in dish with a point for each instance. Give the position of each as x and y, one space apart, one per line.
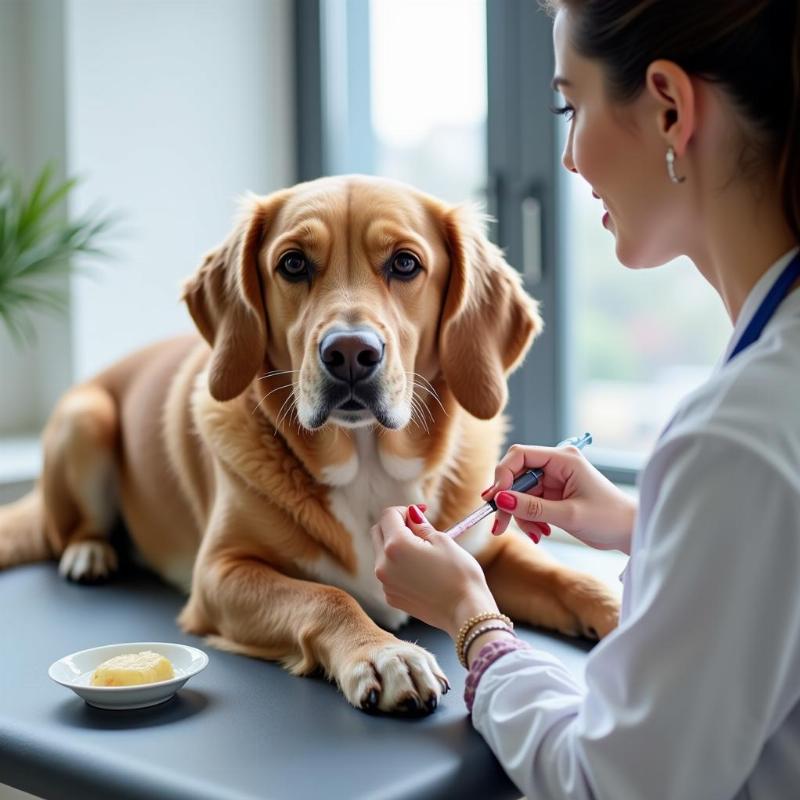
132 669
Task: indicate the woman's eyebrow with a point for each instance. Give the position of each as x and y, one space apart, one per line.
559 81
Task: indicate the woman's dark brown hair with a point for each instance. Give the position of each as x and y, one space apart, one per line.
749 47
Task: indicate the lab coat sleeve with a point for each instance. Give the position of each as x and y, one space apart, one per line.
682 696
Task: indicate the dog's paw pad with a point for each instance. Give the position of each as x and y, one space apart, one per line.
89 561
370 702
414 708
408 679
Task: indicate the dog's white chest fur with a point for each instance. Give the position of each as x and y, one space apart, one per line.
360 490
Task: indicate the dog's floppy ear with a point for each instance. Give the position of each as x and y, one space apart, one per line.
488 321
225 300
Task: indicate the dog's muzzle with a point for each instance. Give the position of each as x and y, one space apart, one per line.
352 360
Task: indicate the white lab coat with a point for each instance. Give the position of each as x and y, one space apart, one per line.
696 695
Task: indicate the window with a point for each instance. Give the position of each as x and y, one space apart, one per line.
630 359
428 68
402 92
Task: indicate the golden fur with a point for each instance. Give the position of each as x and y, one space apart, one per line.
241 483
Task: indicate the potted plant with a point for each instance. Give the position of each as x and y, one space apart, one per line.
37 248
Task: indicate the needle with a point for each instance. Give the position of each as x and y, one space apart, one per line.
527 480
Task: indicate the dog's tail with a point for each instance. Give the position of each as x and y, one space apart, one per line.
22 531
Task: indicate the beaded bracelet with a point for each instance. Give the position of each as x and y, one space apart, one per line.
472 621
477 631
488 654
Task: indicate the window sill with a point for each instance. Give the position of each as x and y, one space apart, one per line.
20 463
604 564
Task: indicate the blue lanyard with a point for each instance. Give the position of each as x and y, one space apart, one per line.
776 295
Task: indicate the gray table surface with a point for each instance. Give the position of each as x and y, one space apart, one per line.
243 728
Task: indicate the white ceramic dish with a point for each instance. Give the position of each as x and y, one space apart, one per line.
75 671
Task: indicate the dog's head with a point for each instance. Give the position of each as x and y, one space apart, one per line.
353 291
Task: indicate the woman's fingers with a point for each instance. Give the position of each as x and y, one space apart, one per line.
395 525
417 522
557 463
533 529
391 524
530 508
539 528
517 460
501 522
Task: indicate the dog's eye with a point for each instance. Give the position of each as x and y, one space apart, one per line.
404 265
294 266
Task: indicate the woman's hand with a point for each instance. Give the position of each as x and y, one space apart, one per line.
572 494
425 573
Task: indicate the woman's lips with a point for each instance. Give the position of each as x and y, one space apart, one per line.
606 215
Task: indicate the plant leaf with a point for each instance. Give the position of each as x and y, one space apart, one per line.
38 246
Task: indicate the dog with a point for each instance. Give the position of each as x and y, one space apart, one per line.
355 340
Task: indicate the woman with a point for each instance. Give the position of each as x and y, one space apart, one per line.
684 119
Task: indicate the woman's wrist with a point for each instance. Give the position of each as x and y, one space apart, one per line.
614 526
469 606
477 644
629 510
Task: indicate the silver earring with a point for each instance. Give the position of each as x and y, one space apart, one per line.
673 176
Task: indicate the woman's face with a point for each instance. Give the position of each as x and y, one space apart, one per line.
617 149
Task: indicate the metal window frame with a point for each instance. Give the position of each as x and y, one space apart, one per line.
308 84
333 107
523 175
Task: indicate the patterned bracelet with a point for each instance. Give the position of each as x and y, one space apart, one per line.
473 621
479 630
488 654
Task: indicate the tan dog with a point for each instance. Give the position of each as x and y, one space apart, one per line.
357 338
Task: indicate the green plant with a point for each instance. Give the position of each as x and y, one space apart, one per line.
37 247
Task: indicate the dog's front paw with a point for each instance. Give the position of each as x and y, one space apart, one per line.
396 678
88 561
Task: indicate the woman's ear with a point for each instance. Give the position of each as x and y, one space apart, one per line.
672 89
488 321
225 301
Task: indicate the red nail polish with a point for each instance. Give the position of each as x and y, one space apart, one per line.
422 506
534 538
494 526
506 501
416 515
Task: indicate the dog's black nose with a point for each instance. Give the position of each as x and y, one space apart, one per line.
351 355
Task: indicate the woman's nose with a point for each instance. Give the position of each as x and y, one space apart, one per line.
566 157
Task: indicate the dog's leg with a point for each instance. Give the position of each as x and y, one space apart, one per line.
248 607
532 587
22 534
78 485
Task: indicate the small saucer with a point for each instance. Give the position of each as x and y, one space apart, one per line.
75 672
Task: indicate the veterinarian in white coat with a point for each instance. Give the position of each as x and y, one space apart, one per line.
684 120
